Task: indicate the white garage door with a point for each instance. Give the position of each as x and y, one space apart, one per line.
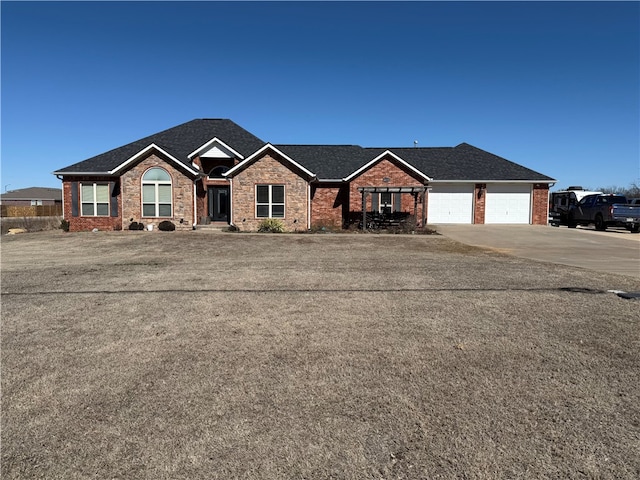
450 204
508 203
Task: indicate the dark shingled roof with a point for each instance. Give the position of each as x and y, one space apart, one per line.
327 161
464 162
178 141
461 163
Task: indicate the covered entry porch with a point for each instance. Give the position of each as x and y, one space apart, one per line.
385 206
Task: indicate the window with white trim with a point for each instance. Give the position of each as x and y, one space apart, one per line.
270 201
94 198
156 193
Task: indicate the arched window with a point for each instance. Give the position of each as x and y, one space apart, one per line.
156 193
218 171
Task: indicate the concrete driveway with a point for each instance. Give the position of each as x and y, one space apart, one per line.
614 251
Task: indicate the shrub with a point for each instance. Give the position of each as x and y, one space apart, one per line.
166 226
136 226
271 225
31 224
64 225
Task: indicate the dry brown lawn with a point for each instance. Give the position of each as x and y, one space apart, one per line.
157 355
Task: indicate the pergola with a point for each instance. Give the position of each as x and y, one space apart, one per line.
414 191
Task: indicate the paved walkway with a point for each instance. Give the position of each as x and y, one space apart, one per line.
614 251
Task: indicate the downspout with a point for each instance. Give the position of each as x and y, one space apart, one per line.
195 191
425 192
308 206
195 212
230 201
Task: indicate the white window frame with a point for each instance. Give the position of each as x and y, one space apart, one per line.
385 207
270 203
95 202
156 197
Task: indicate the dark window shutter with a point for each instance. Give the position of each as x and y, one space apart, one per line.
397 202
113 188
375 199
74 199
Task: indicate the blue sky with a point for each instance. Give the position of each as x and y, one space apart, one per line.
553 86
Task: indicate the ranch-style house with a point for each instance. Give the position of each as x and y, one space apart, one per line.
213 171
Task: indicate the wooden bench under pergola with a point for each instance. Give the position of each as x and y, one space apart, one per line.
414 191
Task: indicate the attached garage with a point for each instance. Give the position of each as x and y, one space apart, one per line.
508 203
450 204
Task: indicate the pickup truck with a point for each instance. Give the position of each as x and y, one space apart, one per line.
564 200
605 210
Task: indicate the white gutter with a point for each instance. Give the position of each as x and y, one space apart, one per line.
308 206
230 201
102 174
195 212
491 181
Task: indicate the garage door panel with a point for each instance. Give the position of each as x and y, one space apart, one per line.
450 204
508 203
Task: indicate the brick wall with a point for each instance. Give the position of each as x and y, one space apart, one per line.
182 190
201 202
540 204
83 224
329 205
269 170
479 196
375 176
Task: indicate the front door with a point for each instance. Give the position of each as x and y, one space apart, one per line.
218 204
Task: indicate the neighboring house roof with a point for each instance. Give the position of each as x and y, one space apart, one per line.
178 142
33 193
326 162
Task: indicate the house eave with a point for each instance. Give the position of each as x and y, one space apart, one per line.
490 181
88 174
330 180
208 145
246 162
144 152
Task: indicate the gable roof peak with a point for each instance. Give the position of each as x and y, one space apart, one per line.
258 154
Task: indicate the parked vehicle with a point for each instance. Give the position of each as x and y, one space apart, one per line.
605 210
562 201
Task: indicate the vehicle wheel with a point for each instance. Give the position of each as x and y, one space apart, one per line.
600 225
635 229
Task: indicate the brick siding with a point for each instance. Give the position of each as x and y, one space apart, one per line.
329 205
540 215
374 177
479 197
182 191
84 224
269 170
129 199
